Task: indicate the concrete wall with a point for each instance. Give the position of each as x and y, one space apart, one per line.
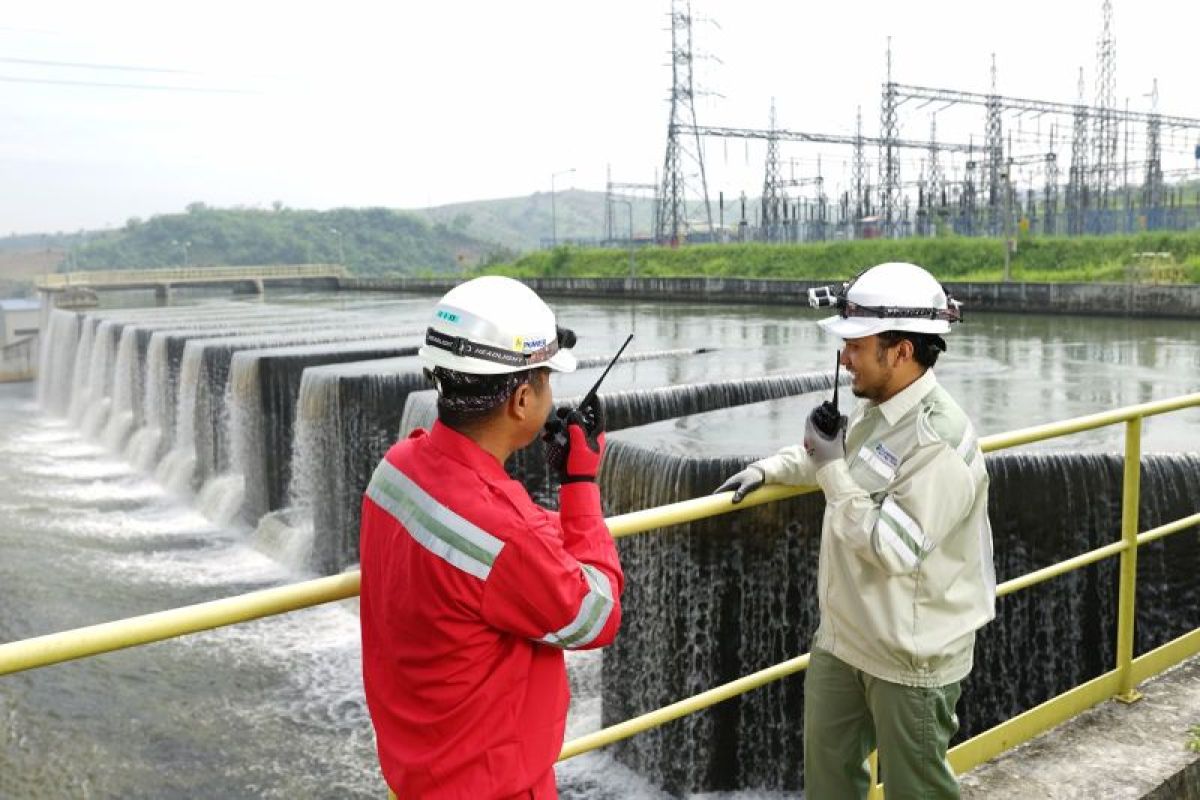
18 324
18 362
1108 299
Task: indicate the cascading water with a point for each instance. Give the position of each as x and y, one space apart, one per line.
56 367
346 418
252 450
126 386
81 370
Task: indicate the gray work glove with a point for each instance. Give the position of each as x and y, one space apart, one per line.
743 483
823 447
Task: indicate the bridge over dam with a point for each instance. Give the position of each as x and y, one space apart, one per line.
74 287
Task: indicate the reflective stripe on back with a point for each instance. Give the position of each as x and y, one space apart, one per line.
435 527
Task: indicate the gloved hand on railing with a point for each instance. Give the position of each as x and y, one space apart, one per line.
575 443
742 483
825 435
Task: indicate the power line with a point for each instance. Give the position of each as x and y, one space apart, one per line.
136 86
84 65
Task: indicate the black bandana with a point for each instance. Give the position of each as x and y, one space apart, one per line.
460 391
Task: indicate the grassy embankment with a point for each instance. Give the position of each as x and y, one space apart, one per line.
1084 259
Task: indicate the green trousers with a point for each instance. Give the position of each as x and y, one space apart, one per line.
848 713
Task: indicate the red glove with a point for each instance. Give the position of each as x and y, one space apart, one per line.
584 454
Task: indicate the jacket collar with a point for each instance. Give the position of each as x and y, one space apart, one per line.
463 449
905 400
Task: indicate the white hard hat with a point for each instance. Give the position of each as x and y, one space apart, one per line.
494 325
889 297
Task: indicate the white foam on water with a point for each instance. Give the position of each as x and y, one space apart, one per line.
287 536
143 447
176 469
79 469
223 564
221 497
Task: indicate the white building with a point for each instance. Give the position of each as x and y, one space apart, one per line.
19 319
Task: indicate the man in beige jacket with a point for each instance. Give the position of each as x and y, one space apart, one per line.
905 575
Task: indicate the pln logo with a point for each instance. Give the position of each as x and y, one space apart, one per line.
448 316
527 345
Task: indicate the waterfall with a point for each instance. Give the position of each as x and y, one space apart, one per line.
143 448
160 352
200 407
56 366
346 419
253 448
81 370
177 468
126 386
712 600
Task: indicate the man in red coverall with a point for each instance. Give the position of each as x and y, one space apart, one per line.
470 591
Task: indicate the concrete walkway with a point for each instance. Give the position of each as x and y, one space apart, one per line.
1113 751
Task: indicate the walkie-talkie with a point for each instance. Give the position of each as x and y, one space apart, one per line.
826 418
588 410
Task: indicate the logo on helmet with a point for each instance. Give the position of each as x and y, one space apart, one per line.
448 316
524 344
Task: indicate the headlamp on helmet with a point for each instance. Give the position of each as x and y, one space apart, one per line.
837 296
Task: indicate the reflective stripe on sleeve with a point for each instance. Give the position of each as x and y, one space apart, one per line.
966 448
593 613
901 531
435 527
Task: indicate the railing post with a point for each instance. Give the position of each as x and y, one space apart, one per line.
1130 500
874 792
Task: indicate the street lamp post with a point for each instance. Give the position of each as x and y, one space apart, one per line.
629 207
553 210
341 252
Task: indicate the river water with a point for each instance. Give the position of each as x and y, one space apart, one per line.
274 708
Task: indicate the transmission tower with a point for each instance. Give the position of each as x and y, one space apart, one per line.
1105 129
1050 198
967 200
994 148
859 175
1077 180
682 154
1152 187
936 185
889 156
772 198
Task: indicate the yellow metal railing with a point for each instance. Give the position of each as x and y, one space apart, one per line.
1118 683
117 277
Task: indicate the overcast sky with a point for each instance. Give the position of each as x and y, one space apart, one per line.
407 104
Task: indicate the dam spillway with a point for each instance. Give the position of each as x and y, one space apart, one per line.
347 384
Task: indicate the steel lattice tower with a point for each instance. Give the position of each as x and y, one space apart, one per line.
1050 197
889 155
1077 183
859 174
672 218
1105 129
934 187
1152 187
773 203
994 148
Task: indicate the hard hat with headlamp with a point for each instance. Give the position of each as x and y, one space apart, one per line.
888 297
495 325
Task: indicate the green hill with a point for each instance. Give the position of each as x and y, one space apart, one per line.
371 240
529 223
